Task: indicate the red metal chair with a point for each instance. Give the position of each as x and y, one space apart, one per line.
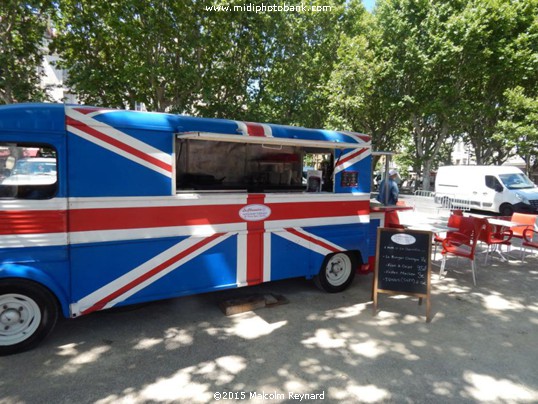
465 226
494 237
529 240
453 221
522 218
463 242
526 219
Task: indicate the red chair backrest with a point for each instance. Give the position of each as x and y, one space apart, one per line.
479 228
454 221
467 227
472 228
529 220
489 232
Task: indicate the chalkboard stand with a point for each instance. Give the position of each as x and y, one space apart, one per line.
403 265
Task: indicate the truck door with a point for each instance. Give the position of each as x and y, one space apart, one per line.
33 218
490 193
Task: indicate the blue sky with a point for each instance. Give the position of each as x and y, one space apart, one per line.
369 4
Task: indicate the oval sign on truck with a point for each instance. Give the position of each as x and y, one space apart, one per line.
254 213
403 239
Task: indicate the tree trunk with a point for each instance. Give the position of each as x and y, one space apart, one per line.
426 175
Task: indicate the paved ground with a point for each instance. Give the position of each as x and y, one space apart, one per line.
479 347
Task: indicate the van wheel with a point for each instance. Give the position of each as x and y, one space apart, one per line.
28 313
506 209
336 273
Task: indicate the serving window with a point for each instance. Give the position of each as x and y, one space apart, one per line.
209 165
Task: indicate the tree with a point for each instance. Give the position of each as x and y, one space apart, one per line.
301 53
414 40
519 129
364 90
120 53
23 26
498 43
454 62
180 56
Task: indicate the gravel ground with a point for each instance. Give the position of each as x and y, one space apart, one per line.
479 347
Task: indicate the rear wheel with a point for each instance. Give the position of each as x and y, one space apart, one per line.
506 209
336 273
28 313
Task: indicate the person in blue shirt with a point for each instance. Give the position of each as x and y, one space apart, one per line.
389 195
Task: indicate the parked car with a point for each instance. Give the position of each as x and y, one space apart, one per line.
32 171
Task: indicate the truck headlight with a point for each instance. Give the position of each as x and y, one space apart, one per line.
522 198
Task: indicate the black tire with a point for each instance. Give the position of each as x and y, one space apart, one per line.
336 273
506 209
28 313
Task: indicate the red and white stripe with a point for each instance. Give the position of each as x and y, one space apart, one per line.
83 124
30 223
94 220
205 220
119 219
310 241
145 274
254 129
359 137
253 237
249 252
351 158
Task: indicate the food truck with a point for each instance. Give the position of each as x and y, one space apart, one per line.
124 207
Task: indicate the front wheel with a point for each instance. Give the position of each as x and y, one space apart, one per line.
506 209
28 313
336 273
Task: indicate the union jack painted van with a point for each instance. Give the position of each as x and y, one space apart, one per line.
102 208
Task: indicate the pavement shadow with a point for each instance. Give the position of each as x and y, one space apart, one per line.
479 347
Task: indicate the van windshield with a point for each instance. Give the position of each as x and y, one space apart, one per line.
516 181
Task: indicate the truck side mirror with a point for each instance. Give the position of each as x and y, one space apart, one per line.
499 188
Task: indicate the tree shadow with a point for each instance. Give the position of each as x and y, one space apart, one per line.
478 347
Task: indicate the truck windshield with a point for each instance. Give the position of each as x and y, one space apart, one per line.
516 181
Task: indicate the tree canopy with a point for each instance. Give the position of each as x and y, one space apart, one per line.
23 29
177 56
415 74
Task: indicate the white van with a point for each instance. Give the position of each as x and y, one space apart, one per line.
502 189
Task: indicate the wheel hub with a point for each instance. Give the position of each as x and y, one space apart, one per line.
10 316
336 268
19 318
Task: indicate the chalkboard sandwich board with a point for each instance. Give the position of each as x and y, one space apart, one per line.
403 264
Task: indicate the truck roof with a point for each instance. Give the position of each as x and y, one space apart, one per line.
53 118
482 168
